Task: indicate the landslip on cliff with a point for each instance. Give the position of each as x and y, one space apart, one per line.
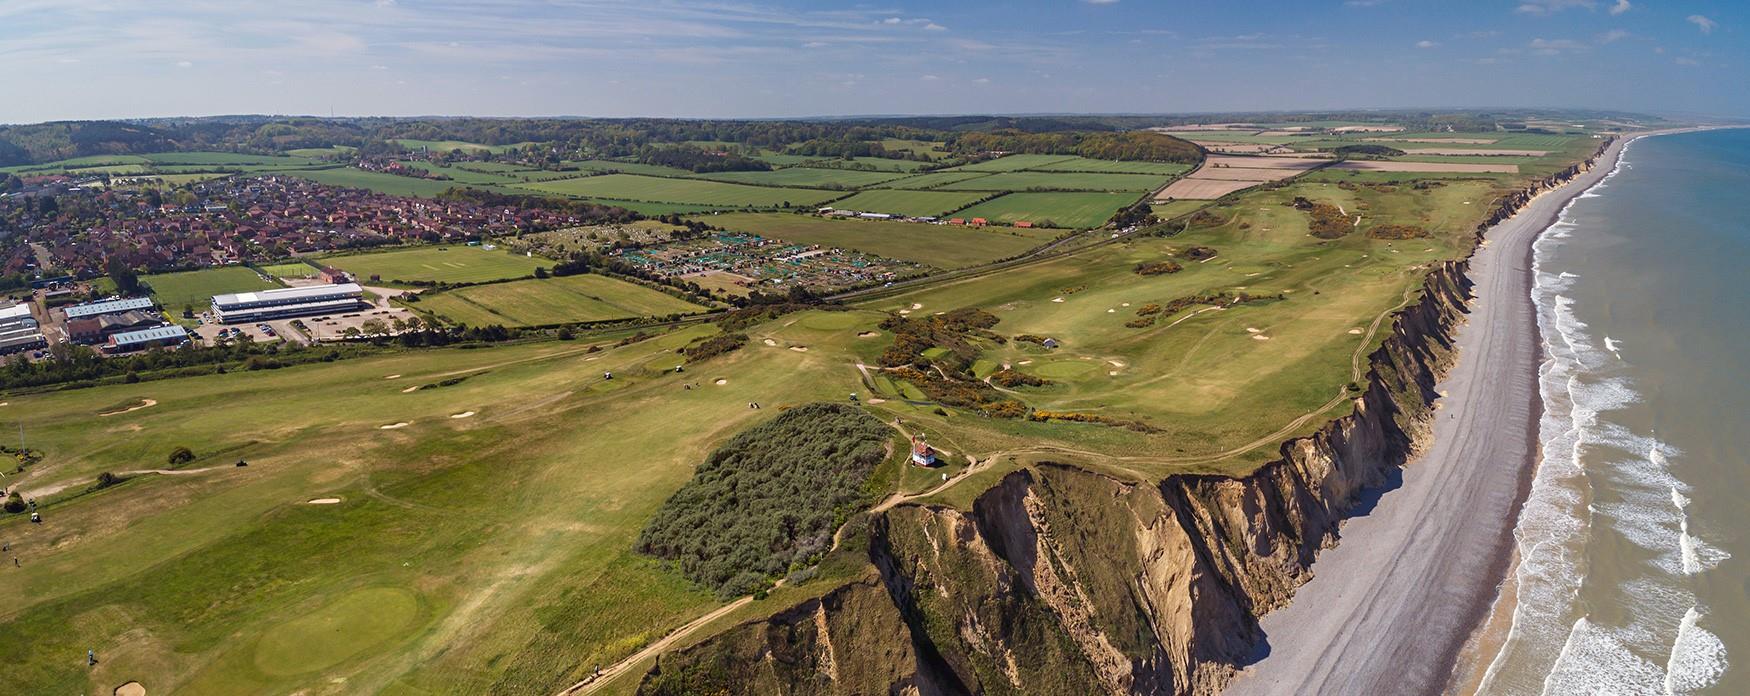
1060 580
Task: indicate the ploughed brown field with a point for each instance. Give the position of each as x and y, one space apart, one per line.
1478 151
1449 141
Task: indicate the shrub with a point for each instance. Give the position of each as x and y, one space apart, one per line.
767 502
180 455
15 503
1153 268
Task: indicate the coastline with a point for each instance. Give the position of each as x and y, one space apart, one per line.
1395 607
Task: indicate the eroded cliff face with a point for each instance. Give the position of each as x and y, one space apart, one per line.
1064 581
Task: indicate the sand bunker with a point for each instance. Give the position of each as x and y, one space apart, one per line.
144 403
917 305
1126 304
1111 311
393 426
1260 337
799 349
396 376
770 342
1355 331
413 388
132 688
720 382
1111 373
905 311
865 334
1115 363
1056 299
464 414
1251 330
322 501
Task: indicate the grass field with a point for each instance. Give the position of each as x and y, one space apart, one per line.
487 554
693 191
197 288
291 269
626 167
444 264
449 145
391 184
1016 162
807 177
912 203
1074 210
228 158
866 163
942 246
571 299
1062 181
932 179
1083 164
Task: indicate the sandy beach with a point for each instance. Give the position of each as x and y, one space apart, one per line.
1390 608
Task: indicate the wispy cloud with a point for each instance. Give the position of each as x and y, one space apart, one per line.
1424 43
1706 25
1620 7
1548 7
1612 36
1551 47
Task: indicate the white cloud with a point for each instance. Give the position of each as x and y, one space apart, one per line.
892 20
981 81
932 26
1620 7
1612 36
1424 43
1706 25
816 44
1548 7
184 64
930 78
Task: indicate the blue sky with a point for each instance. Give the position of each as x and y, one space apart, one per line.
118 58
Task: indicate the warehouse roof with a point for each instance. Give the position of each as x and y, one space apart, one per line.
287 295
92 309
160 333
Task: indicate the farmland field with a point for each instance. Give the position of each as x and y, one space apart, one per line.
932 180
391 184
445 264
1084 164
448 145
1024 181
866 163
942 246
197 288
912 203
1015 162
1074 210
227 158
806 177
571 299
624 167
694 191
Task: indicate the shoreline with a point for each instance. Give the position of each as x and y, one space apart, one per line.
1393 609
1495 622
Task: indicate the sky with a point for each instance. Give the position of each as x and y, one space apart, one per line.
78 59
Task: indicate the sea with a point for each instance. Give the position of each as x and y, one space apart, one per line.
1633 547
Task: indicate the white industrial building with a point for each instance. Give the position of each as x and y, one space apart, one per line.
19 330
281 303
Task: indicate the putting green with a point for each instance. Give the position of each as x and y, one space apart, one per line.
342 629
1065 369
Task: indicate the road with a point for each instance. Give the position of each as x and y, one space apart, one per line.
1392 605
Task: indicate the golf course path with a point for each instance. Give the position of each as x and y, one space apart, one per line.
1394 602
607 674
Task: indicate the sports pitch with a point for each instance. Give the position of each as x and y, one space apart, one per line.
197 288
545 302
442 264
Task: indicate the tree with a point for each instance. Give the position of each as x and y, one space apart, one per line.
14 503
540 271
126 281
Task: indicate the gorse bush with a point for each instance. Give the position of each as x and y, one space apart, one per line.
767 502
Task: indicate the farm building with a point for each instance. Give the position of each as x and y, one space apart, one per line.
333 276
167 335
280 303
92 310
18 330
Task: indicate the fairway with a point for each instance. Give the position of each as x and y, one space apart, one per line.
443 264
941 246
695 191
909 203
197 288
1074 210
545 302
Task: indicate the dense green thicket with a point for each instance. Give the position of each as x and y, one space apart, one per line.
767 502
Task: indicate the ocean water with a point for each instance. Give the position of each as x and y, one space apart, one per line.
1634 542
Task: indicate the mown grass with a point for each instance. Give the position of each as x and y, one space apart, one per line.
1071 210
197 288
693 191
444 263
912 203
538 302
